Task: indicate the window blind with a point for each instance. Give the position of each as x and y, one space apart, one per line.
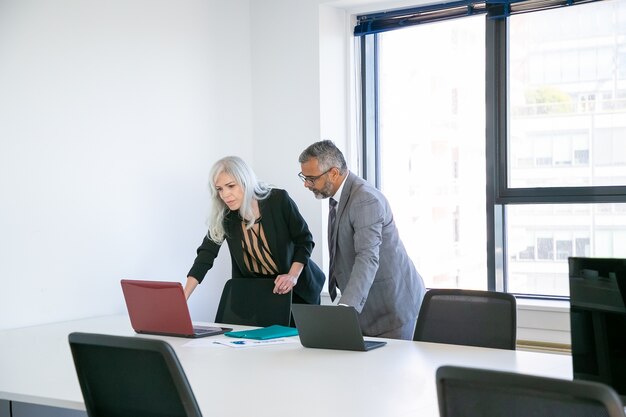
495 9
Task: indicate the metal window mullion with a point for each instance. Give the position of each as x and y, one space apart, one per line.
556 195
496 140
369 92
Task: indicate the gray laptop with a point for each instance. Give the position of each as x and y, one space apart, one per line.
330 327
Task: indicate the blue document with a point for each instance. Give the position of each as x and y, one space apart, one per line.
264 333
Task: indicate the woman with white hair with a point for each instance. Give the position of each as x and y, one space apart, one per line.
266 234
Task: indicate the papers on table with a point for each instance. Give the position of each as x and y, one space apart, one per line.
239 343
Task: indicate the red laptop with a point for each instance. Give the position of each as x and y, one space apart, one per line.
159 307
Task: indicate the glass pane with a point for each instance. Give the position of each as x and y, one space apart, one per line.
567 92
540 238
432 150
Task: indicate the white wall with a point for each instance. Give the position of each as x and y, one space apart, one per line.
285 96
111 114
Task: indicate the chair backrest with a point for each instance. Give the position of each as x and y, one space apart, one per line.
251 302
466 392
131 377
468 317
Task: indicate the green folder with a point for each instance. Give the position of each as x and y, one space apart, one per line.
264 333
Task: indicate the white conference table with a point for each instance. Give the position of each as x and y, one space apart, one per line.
279 380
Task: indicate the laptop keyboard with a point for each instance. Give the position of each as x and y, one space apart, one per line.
370 344
205 329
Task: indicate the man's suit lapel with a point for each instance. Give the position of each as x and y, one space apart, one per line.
343 202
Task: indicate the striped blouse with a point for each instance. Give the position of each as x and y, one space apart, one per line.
256 252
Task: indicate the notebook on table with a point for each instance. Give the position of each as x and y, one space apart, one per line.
265 333
160 307
331 327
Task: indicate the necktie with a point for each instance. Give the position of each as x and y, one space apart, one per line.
332 242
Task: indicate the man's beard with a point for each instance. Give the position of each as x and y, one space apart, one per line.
323 192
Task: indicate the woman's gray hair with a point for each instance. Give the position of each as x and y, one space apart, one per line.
327 155
253 189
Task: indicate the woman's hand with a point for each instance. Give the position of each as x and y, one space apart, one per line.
284 283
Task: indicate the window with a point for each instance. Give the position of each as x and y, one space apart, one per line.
432 147
540 238
498 193
554 110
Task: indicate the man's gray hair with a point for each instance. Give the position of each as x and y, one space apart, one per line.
327 155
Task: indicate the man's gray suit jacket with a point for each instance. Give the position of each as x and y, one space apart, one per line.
372 268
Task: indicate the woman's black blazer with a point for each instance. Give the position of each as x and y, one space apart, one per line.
288 238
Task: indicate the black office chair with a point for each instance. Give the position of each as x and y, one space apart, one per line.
131 377
466 392
468 317
251 302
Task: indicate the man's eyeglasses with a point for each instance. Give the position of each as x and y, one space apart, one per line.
311 179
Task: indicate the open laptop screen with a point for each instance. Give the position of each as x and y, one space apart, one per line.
331 327
159 307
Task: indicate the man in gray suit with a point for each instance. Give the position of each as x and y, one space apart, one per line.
369 263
